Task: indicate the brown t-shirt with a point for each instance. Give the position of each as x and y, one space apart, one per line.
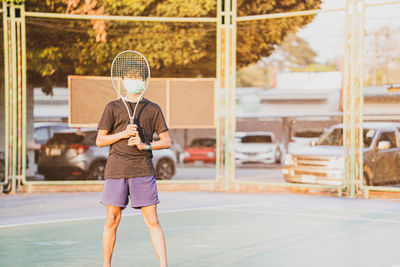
125 161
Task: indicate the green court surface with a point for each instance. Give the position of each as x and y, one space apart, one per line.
207 229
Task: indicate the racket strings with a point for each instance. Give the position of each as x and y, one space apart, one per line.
129 65
126 65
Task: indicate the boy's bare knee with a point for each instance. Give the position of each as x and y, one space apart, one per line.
112 220
151 222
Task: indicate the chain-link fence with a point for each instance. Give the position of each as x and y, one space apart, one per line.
381 96
292 100
288 97
298 103
59 46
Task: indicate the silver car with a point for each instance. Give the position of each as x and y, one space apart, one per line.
42 133
74 154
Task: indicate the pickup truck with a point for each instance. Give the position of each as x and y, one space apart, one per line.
323 162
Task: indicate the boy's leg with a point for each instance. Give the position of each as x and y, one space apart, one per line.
150 218
115 198
113 218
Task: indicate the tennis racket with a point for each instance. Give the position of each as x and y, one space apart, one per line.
130 76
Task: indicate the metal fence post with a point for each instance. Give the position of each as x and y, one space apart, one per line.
361 95
15 93
218 100
228 80
353 96
13 73
6 95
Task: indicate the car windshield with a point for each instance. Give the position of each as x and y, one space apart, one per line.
65 139
257 139
308 134
203 143
335 138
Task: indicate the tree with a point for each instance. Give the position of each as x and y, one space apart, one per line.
294 54
382 57
60 47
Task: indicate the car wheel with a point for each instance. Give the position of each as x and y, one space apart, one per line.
50 176
7 187
96 171
164 169
278 156
367 179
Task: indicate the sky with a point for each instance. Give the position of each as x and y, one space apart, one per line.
325 33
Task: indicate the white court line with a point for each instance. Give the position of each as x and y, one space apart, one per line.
315 215
331 208
127 215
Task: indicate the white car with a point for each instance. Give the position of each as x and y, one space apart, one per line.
302 139
257 147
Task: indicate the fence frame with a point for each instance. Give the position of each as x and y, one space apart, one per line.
226 29
20 164
339 188
363 188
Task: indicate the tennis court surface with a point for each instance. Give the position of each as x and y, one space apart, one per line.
203 229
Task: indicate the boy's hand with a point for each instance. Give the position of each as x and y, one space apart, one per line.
136 141
131 130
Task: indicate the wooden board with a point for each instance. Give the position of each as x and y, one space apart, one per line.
192 103
186 103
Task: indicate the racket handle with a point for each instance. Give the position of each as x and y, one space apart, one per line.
128 141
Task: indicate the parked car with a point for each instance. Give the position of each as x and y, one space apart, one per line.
258 147
324 162
2 167
43 131
200 150
175 147
73 153
302 139
6 188
239 136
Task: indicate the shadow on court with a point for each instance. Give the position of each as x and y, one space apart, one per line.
203 229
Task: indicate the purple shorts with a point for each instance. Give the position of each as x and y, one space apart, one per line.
141 190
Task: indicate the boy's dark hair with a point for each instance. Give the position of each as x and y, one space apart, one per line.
135 67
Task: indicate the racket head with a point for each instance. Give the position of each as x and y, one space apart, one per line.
130 65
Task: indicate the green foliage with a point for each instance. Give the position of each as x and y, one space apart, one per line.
16 2
173 49
252 76
294 54
297 51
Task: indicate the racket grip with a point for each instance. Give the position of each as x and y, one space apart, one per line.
128 141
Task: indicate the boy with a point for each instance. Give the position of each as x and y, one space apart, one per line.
129 169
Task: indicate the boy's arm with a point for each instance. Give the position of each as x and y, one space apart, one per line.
104 139
164 142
